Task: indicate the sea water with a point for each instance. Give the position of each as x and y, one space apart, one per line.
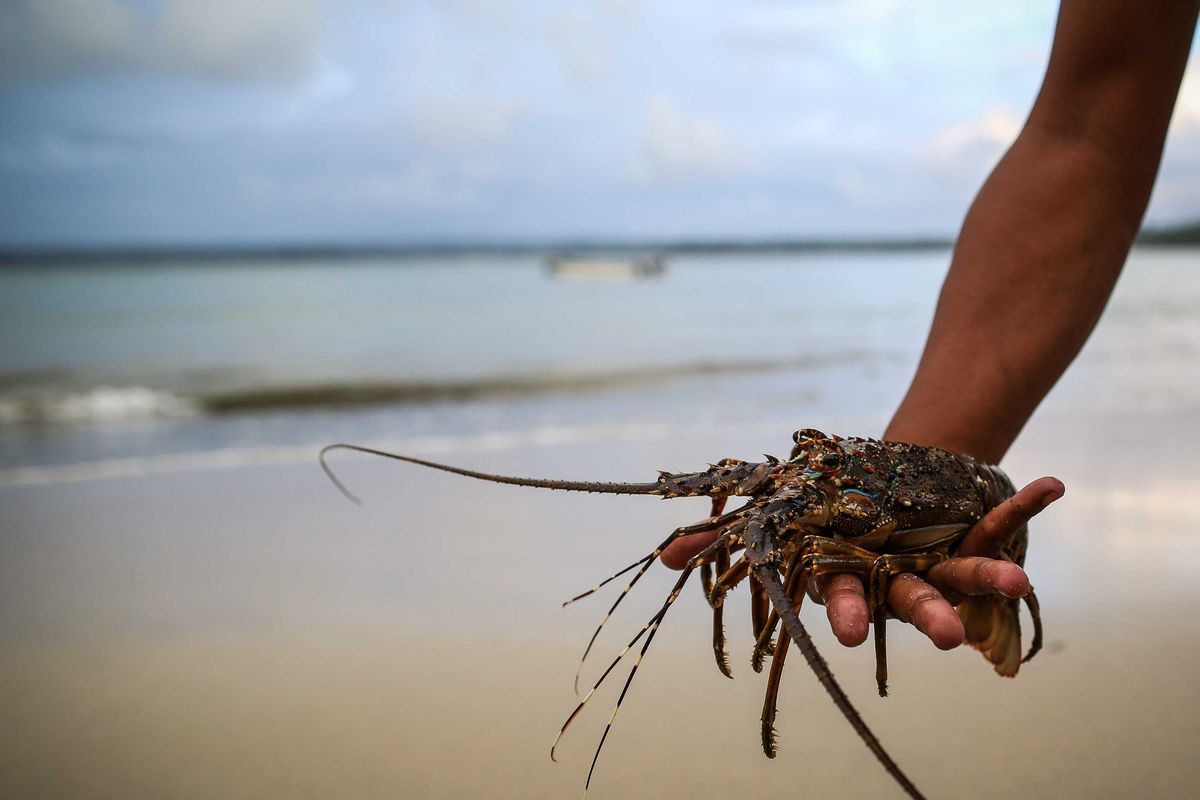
116 369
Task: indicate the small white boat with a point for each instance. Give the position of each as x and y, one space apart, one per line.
605 268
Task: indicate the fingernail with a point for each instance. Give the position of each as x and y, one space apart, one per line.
1054 494
1050 498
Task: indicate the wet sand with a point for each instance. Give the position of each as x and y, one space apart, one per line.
247 633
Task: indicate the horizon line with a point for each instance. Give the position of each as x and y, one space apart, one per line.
1188 233
450 247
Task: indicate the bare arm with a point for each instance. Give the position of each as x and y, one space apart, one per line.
1044 241
1034 265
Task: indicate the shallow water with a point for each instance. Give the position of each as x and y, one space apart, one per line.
115 370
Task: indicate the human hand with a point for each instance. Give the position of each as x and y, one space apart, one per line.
926 602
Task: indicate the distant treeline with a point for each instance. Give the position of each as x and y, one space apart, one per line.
1179 234
1188 234
321 252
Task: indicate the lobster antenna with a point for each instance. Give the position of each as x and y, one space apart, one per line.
538 483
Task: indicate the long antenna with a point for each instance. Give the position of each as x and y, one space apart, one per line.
538 483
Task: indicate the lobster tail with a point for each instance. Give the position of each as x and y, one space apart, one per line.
994 629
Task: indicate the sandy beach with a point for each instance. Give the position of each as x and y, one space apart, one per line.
248 633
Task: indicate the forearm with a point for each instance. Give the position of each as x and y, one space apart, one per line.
1035 263
1045 239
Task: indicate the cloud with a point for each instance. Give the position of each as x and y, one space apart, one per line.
583 42
448 125
767 43
960 155
234 38
421 187
487 117
486 15
225 39
984 136
1177 193
51 37
678 145
582 37
59 153
1186 120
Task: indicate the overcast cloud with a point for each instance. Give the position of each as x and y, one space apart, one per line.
165 121
224 39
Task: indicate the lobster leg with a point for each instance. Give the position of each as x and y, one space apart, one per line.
1035 611
722 564
730 579
652 627
646 562
877 592
760 615
765 641
796 591
706 580
699 527
772 696
769 578
757 548
880 580
797 582
760 606
812 564
706 569
823 555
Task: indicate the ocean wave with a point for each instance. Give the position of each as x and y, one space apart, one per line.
99 404
33 405
462 390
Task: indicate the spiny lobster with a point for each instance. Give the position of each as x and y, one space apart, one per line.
837 505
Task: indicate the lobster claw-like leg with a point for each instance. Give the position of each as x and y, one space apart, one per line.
823 556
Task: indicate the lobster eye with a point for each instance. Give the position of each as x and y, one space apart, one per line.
807 436
830 461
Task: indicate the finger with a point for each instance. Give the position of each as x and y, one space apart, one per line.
845 605
913 600
991 534
677 554
966 577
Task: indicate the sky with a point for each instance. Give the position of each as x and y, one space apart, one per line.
160 122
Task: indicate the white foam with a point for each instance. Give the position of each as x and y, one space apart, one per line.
101 404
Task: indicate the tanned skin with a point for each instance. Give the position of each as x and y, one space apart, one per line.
1034 265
